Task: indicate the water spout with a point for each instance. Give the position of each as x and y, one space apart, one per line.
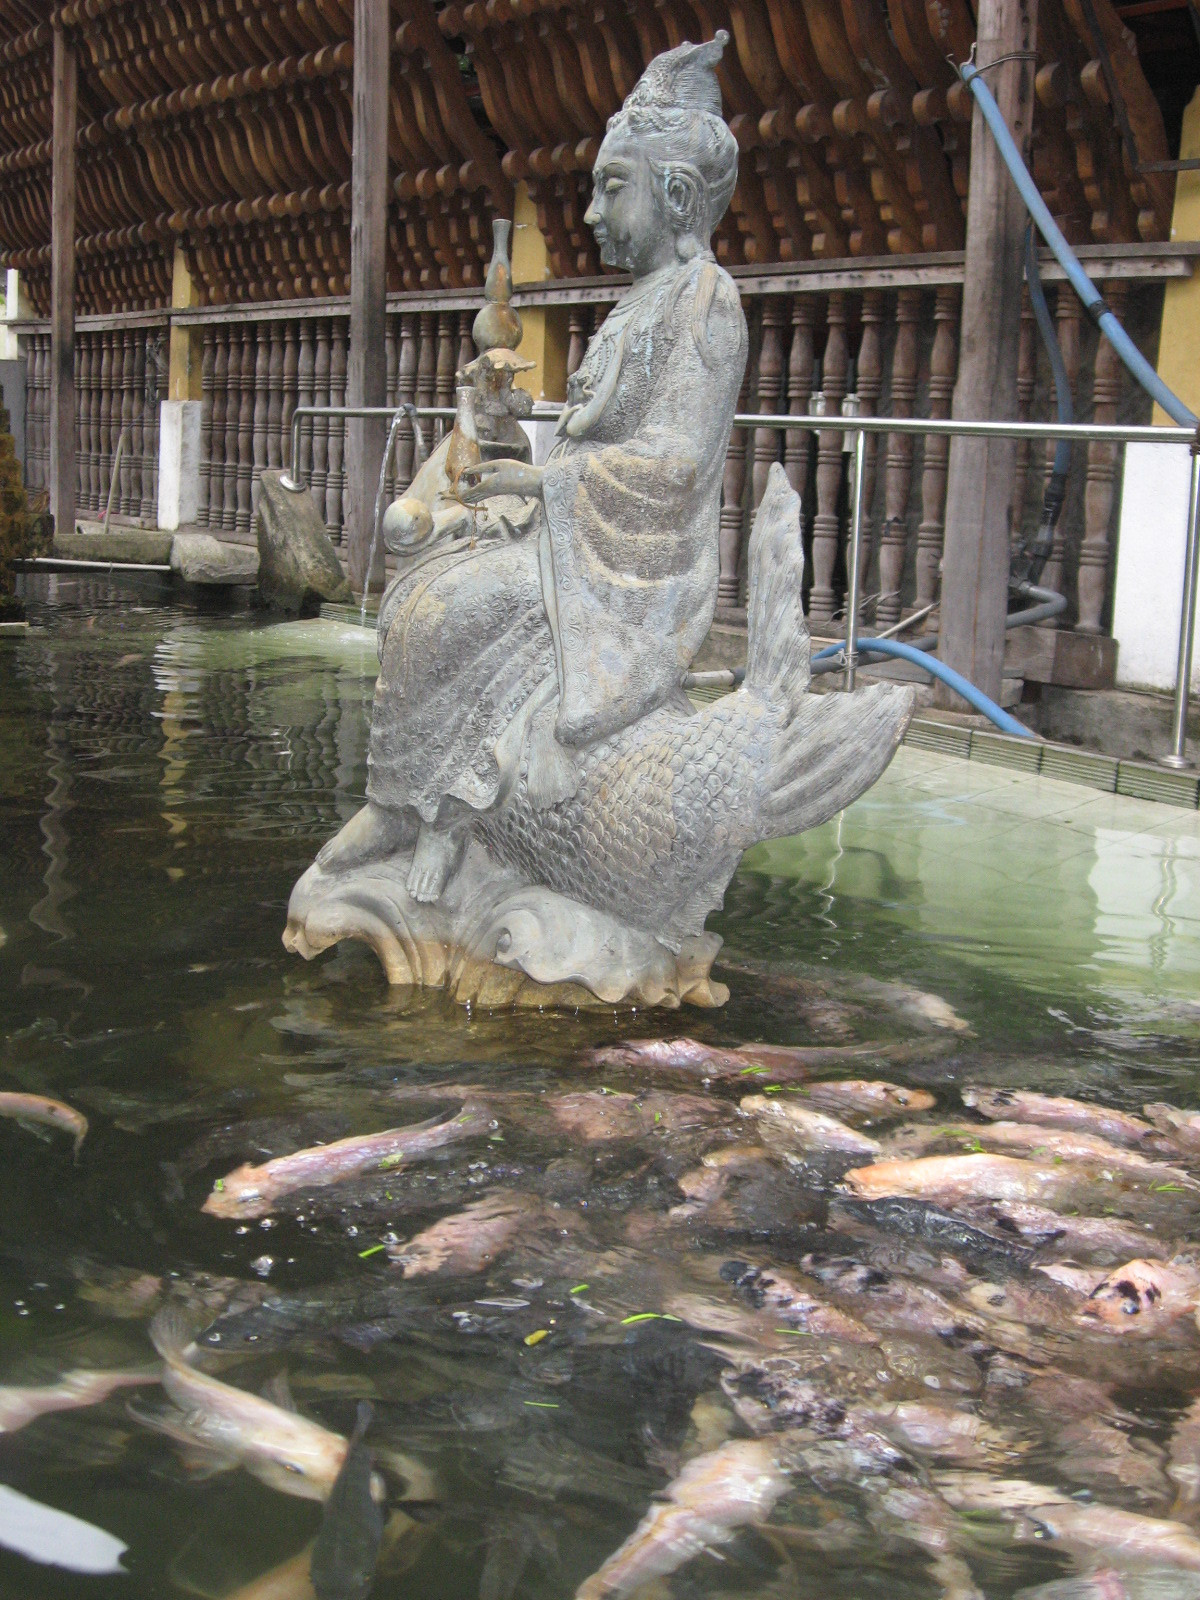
410 411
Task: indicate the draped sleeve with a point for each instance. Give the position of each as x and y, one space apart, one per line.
630 542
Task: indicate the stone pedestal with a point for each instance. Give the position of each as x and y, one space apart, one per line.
178 463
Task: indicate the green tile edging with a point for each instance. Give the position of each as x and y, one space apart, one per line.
1142 780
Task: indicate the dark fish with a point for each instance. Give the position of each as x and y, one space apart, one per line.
332 1311
346 1550
916 1219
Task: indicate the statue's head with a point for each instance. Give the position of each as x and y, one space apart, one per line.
668 164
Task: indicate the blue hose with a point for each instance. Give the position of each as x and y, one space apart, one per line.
1093 301
937 669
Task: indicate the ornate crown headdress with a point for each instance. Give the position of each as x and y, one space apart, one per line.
683 79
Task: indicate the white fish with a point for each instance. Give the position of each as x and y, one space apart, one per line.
55 1538
20 1406
810 1130
712 1497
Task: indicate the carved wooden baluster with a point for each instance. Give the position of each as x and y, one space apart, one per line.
733 508
869 384
427 370
898 466
304 397
124 486
826 525
91 404
768 394
1068 316
466 345
336 483
943 367
797 441
31 412
106 402
577 331
261 410
83 389
391 355
320 428
406 389
220 404
150 398
1094 551
1026 382
208 352
289 395
136 443
274 341
246 426
233 413
444 387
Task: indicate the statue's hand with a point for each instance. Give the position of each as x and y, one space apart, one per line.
487 478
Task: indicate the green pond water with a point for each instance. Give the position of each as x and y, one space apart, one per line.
165 776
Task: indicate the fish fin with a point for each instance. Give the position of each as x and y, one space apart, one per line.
365 1413
37 1129
200 1460
278 1391
171 1333
420 1483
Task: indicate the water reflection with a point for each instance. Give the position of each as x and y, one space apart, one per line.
165 777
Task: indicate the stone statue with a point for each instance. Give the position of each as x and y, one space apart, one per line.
549 820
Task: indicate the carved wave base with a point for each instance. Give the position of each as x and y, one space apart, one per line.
495 940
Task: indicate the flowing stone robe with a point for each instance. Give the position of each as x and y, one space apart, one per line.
590 620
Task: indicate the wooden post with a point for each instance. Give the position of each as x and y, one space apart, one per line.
979 495
62 287
366 375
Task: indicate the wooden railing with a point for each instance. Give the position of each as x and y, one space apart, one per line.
880 338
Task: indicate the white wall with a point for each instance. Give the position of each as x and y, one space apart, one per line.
1149 578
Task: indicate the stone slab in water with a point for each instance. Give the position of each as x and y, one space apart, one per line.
117 544
199 558
298 566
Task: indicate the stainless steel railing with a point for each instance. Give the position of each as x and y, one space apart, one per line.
860 427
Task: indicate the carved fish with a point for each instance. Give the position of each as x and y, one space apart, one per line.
664 810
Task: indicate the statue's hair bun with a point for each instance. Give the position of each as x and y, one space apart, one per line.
683 79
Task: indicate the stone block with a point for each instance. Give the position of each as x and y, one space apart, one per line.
298 566
199 558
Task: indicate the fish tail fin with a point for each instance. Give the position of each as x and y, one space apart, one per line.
171 1334
832 746
777 655
366 1412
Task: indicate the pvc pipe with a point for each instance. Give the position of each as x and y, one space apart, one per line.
1093 300
938 669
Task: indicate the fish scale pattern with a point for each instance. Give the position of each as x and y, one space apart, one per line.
657 814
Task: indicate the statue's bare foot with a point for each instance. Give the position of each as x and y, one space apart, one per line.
434 862
371 834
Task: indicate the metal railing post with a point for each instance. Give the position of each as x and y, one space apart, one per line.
854 556
1187 624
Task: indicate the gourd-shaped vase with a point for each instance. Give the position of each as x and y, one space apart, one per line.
498 325
464 449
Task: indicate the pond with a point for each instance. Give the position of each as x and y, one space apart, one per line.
668 1286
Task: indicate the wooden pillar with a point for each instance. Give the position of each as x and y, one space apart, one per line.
979 495
366 374
62 287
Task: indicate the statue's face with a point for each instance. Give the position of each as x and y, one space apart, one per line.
624 214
